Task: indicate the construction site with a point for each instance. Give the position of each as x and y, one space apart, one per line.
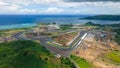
89 44
94 46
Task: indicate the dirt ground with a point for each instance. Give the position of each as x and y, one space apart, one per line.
64 39
92 52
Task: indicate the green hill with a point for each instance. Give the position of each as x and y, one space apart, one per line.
91 24
114 25
104 17
29 54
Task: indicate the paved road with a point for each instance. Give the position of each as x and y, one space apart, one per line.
43 40
53 49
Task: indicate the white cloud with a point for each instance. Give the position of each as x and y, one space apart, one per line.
45 1
14 9
87 4
3 3
9 8
28 11
57 6
54 10
77 11
18 2
30 2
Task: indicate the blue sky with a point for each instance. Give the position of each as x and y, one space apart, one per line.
59 7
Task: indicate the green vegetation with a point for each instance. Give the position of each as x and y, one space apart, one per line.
66 27
92 24
42 24
114 57
28 54
104 17
114 25
73 33
67 61
10 32
82 63
117 36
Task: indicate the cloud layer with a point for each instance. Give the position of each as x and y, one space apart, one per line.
92 0
59 7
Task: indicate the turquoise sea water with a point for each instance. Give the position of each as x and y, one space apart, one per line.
21 21
17 26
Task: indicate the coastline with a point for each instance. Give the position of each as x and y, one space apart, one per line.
4 27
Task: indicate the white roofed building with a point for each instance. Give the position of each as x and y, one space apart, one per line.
53 27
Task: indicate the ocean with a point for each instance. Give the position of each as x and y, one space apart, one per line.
21 21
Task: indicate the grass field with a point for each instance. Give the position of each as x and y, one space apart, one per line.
114 57
28 54
10 32
82 63
65 27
